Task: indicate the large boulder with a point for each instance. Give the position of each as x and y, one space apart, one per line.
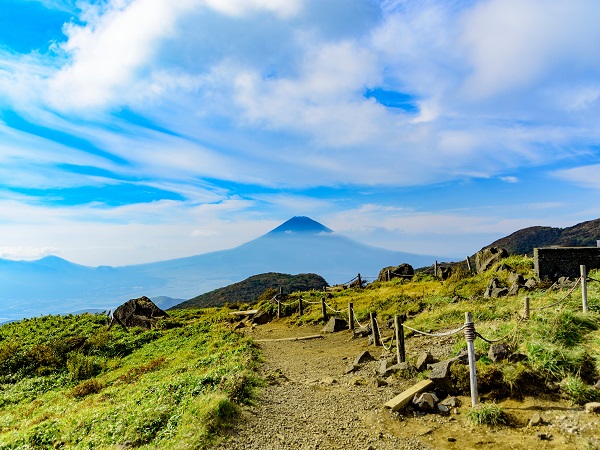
405 271
334 325
487 257
138 312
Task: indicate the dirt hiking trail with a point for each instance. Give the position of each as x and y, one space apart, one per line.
309 402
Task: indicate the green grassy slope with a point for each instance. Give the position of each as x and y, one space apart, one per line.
67 382
251 288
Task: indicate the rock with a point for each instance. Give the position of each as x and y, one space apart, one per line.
451 439
536 420
495 289
504 268
515 277
137 312
544 436
443 409
514 290
379 382
334 325
329 380
487 257
362 332
440 374
443 272
498 352
425 401
424 359
363 358
530 283
350 368
451 402
593 407
405 271
262 318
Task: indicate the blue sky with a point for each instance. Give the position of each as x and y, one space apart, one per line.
142 130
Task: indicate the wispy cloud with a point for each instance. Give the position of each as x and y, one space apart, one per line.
206 109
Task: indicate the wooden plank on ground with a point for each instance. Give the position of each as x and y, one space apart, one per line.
300 338
403 399
250 312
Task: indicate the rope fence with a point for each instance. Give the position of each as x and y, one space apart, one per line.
468 328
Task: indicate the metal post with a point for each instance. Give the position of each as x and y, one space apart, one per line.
526 309
399 330
351 316
375 330
388 275
278 308
470 337
584 299
324 309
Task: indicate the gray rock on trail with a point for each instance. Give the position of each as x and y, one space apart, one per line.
487 257
440 374
363 358
362 332
425 401
451 402
262 318
536 420
424 359
498 352
593 407
334 325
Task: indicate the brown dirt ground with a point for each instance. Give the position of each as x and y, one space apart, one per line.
309 402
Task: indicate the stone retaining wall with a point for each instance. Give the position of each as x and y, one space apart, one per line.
554 262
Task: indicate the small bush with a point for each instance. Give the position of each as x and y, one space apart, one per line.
86 388
578 391
82 367
487 414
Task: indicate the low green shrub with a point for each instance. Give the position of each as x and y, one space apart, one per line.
487 414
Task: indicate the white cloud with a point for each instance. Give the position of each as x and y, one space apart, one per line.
26 252
586 176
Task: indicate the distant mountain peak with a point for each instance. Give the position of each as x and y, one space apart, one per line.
300 225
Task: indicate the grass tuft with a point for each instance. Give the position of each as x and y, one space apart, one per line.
487 414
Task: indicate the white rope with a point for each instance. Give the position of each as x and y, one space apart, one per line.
380 337
334 310
356 320
449 333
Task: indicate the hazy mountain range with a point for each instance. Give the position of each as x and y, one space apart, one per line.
53 285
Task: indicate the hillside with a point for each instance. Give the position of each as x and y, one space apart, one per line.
523 242
69 382
251 288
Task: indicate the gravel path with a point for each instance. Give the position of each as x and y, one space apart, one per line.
310 403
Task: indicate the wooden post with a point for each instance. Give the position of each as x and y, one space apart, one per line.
324 309
435 269
375 330
300 307
526 309
469 264
399 330
470 337
351 316
278 308
584 299
359 281
389 278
